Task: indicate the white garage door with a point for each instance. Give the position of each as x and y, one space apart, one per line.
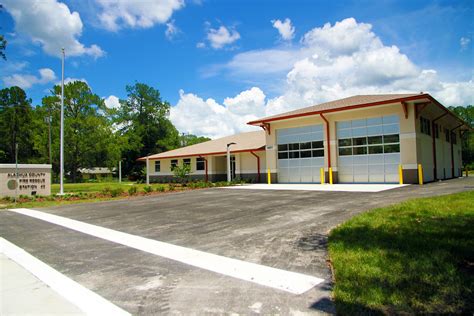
369 150
300 154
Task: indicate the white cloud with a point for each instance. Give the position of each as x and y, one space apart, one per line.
331 62
117 14
112 102
52 25
286 30
195 115
171 30
26 81
464 42
222 36
200 45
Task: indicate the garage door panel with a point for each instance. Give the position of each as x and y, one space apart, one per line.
391 178
306 174
369 149
303 147
294 175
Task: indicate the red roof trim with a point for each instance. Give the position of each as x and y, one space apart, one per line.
205 154
350 107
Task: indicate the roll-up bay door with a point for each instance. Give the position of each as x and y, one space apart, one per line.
369 150
300 154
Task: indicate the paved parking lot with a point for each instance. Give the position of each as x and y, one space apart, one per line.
281 229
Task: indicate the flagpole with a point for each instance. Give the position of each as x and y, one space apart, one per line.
61 154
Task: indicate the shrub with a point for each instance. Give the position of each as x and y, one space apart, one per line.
160 188
172 186
181 173
132 190
148 189
106 191
116 192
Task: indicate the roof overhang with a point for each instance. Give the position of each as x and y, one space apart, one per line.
420 97
204 154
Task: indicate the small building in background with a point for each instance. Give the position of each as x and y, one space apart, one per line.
97 173
32 179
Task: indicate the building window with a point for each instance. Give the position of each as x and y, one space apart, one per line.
446 134
157 166
187 162
200 164
436 130
425 126
174 164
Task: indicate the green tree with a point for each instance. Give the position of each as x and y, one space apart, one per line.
466 113
89 139
190 139
142 120
16 125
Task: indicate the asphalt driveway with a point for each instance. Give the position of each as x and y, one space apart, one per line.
281 229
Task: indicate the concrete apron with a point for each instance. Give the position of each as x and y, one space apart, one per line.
320 187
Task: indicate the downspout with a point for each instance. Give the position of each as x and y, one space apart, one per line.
435 168
328 139
258 165
452 148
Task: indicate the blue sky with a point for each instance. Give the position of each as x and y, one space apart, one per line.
222 63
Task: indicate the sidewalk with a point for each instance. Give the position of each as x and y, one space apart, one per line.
22 293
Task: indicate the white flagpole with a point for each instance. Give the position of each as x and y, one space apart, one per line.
61 154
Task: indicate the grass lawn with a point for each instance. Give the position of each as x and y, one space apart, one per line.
92 187
415 257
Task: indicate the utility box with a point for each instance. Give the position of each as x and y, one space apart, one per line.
33 179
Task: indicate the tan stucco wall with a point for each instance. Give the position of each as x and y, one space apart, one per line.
32 178
443 148
244 162
407 132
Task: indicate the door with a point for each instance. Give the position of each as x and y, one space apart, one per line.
369 150
300 154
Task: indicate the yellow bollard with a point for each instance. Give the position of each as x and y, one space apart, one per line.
400 173
321 175
420 174
330 175
269 178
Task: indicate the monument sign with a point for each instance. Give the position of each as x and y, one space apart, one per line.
33 179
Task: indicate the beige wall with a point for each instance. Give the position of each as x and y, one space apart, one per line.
443 148
245 163
407 132
32 178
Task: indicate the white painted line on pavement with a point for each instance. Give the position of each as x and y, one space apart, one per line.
288 281
318 187
86 300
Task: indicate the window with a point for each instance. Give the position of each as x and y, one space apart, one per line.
174 163
187 162
425 126
301 150
157 166
200 163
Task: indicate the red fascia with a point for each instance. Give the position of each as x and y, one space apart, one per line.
328 139
351 107
206 154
